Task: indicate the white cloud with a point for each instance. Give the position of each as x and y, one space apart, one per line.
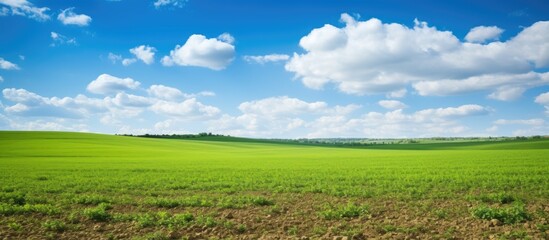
368 57
1 80
7 65
59 39
34 105
482 34
392 104
201 52
173 3
532 122
114 58
107 84
24 8
128 61
397 94
144 53
226 37
68 17
290 117
165 93
452 112
267 58
128 100
505 86
543 99
189 108
276 117
281 106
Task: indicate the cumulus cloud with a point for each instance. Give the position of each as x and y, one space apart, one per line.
189 108
111 110
297 118
392 104
107 84
200 51
7 65
277 106
59 39
114 57
24 8
165 92
543 99
368 57
505 86
226 37
69 17
174 3
276 117
128 61
144 53
482 34
267 58
31 104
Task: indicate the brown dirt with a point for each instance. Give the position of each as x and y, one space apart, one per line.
296 217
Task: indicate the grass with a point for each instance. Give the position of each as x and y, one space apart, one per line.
508 215
102 179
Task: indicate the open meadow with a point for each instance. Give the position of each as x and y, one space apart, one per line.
56 185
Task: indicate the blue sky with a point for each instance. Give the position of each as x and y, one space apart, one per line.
284 69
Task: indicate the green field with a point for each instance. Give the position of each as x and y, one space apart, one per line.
76 185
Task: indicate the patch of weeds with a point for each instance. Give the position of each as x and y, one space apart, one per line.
90 199
449 233
164 202
206 221
343 211
228 224
292 230
42 178
13 198
441 213
155 236
161 219
8 209
98 213
502 198
73 217
54 225
542 227
261 201
275 209
320 230
508 215
241 228
145 220
388 228
521 234
15 226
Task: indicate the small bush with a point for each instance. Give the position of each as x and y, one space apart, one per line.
509 215
345 211
54 225
241 228
98 213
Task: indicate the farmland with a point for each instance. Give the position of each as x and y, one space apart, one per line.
77 185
